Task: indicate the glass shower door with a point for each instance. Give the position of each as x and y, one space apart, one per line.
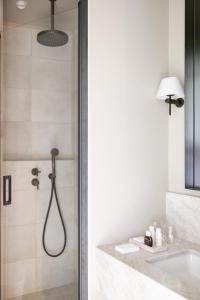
40 113
1 157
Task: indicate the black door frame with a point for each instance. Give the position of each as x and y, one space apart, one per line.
192 94
83 146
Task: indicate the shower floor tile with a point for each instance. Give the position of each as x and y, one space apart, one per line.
66 292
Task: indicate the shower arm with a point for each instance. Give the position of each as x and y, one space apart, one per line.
52 13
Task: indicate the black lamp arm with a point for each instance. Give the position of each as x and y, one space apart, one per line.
178 102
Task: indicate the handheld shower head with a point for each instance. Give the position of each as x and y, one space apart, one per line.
54 152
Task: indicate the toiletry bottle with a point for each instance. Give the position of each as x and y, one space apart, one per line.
158 237
155 225
170 234
148 239
153 234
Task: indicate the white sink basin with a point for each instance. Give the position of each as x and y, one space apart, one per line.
185 265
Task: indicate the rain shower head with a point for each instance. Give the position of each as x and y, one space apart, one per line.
52 37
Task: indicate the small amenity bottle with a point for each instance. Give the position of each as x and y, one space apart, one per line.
148 241
158 237
153 234
170 234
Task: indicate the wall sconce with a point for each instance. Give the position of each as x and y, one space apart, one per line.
171 91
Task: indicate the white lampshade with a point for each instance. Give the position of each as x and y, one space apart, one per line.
170 86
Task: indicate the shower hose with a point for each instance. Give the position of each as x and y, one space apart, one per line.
52 177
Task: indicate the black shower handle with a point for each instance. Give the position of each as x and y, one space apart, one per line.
35 182
35 171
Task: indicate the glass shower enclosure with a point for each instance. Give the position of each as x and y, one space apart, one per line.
39 151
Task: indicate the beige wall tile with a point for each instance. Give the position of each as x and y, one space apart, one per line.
23 208
21 174
43 197
19 278
51 74
65 173
67 203
17 105
72 235
17 71
17 140
53 272
50 106
46 136
17 41
67 21
69 291
19 243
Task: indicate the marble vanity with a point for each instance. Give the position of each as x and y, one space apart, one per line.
131 276
135 276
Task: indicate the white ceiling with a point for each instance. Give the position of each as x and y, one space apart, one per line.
35 10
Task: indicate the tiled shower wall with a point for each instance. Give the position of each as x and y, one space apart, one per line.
40 91
39 113
27 268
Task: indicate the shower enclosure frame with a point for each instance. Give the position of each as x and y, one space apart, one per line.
82 151
83 147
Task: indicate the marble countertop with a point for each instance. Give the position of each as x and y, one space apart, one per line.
137 261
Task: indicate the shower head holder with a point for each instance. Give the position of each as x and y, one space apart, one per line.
54 152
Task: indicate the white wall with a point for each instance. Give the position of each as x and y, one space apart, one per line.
128 127
177 121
